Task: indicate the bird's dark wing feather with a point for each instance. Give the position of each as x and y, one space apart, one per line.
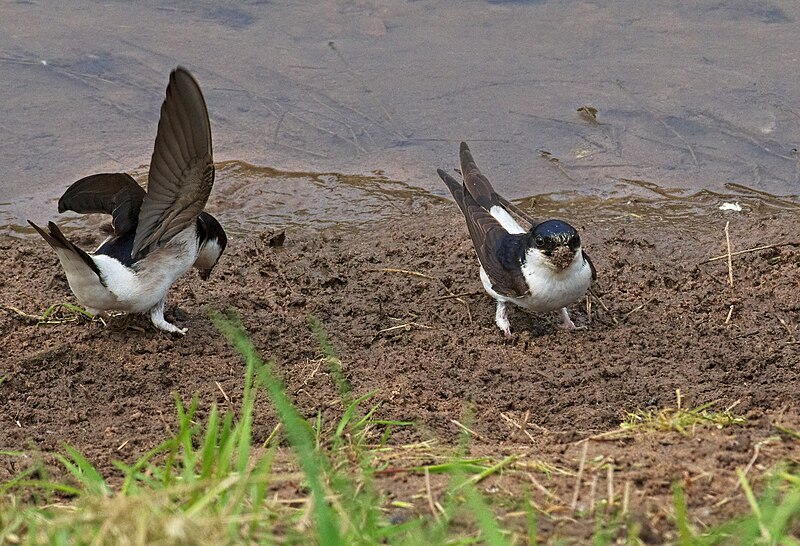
477 185
116 194
492 242
481 189
182 168
455 187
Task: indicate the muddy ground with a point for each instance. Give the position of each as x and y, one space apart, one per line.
109 390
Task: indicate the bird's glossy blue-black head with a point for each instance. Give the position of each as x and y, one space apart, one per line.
556 240
212 241
552 234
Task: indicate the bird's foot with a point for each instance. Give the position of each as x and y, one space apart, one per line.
501 318
158 320
567 323
169 327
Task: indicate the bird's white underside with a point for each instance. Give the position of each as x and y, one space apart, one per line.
134 290
550 289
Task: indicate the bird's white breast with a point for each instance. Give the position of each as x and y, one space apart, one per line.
550 289
136 289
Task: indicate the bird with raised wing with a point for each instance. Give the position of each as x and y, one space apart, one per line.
157 234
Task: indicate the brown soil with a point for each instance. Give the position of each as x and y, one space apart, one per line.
109 390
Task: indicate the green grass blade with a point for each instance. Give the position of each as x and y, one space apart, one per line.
754 507
297 432
83 471
487 522
209 452
685 537
334 365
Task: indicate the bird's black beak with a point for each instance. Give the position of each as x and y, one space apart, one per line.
205 274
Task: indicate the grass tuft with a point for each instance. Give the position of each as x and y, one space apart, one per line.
680 419
58 313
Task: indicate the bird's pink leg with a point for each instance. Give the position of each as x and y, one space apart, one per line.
566 323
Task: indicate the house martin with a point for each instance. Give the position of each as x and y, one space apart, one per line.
540 269
155 235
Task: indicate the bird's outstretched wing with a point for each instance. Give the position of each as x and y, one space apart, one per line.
182 167
116 194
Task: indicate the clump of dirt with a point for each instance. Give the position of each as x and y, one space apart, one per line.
404 309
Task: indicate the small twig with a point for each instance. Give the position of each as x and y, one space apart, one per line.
610 485
788 330
756 450
543 489
429 493
728 318
450 293
579 477
746 251
589 308
603 305
739 483
730 264
468 430
626 497
637 308
730 408
407 326
224 394
456 296
520 427
23 314
592 492
272 435
403 271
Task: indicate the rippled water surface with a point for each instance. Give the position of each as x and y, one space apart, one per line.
697 102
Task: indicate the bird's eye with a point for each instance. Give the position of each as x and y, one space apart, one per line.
539 241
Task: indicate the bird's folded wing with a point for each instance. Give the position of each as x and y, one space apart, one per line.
487 237
479 187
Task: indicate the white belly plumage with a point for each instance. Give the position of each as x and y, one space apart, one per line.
550 289
132 289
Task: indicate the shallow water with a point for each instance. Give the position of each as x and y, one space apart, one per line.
691 98
247 198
